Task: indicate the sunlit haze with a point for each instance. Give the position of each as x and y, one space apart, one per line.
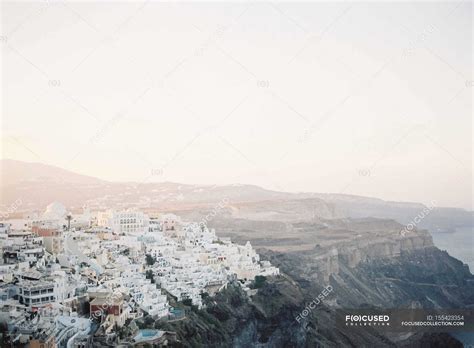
365 99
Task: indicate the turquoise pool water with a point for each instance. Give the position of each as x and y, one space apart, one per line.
147 334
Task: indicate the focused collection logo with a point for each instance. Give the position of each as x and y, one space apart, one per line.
367 320
404 320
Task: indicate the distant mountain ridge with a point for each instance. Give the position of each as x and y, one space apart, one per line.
39 184
15 172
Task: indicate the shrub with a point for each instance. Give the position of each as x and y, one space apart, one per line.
259 281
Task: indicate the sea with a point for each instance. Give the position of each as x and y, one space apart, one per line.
459 244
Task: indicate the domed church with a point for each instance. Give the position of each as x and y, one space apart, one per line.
55 211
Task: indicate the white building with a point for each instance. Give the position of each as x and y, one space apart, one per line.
127 222
34 294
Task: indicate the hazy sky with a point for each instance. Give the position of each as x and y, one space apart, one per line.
371 99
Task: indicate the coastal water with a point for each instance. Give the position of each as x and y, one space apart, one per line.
467 338
459 244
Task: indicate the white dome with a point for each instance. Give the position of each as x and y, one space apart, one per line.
55 211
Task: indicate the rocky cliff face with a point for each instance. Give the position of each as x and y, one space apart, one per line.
363 250
334 248
264 320
421 277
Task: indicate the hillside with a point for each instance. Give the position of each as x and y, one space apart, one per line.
267 319
38 184
15 173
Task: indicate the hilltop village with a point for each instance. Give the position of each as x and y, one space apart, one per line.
75 280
